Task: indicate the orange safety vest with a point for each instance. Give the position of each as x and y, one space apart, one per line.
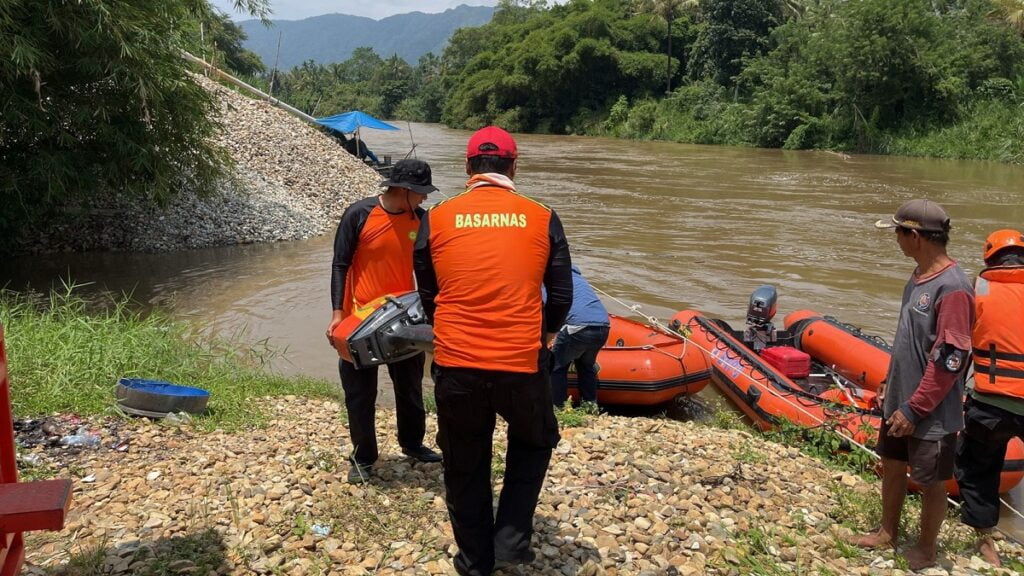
382 263
998 338
490 248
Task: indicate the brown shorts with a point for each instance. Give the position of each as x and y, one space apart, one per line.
930 461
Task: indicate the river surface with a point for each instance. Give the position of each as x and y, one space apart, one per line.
658 225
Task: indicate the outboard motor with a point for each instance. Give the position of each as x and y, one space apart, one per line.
394 331
760 311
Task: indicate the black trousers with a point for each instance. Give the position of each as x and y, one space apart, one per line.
360 388
980 451
467 402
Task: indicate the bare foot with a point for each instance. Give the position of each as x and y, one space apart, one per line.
918 559
879 539
987 549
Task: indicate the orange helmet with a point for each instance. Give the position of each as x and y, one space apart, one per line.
1000 239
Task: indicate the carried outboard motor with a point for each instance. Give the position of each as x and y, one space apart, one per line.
760 311
395 330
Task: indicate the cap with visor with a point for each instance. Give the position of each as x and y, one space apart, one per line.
491 141
920 214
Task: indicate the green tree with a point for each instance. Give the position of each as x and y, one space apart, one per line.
220 42
735 30
361 65
426 100
392 81
669 10
852 71
99 101
555 70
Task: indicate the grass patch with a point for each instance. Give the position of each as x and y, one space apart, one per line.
847 550
66 354
727 419
825 445
570 417
990 129
497 462
748 455
373 515
757 552
862 512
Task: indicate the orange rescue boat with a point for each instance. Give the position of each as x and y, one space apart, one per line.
817 372
645 365
865 360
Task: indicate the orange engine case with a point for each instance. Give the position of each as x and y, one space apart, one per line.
341 332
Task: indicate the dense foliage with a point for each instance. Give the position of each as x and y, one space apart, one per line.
532 68
928 77
560 69
890 76
852 73
97 101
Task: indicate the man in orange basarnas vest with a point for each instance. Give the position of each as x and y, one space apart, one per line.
994 412
373 258
481 258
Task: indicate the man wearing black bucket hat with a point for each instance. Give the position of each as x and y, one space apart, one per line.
372 258
923 391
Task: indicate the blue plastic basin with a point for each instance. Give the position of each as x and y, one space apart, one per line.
158 398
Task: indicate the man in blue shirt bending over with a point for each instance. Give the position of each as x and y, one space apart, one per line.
580 339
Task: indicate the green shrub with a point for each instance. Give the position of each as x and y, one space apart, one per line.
66 354
641 121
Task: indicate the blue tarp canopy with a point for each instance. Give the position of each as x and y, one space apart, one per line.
349 122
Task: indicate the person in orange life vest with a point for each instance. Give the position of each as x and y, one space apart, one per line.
481 259
372 258
923 391
994 412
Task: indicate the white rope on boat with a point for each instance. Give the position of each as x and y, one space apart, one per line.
655 322
635 308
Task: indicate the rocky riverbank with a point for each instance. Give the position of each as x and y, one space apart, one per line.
624 496
290 182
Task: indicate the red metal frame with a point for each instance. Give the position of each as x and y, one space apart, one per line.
23 506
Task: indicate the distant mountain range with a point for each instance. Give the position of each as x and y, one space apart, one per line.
333 37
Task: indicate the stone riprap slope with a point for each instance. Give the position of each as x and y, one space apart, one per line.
291 182
624 496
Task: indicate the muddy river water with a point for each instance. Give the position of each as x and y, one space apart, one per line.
661 225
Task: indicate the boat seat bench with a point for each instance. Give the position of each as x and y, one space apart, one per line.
24 506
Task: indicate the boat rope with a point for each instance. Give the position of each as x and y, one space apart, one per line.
635 308
657 323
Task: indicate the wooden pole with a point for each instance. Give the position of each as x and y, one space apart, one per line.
273 75
412 151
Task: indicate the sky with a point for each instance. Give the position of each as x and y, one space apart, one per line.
376 9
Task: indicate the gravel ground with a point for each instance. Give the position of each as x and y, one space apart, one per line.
624 496
291 182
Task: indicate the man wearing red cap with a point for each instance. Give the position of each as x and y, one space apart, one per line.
994 412
481 259
923 390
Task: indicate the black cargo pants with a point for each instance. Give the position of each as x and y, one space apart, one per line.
467 402
360 388
980 454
